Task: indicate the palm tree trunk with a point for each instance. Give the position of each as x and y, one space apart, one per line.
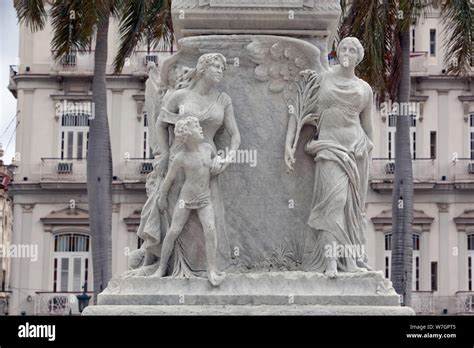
402 205
99 168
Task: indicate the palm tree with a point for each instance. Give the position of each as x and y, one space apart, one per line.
384 29
75 24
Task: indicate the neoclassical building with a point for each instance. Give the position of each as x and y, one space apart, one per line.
49 189
6 227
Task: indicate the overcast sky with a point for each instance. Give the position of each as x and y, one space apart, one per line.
8 56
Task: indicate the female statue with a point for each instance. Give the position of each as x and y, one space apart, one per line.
196 95
342 113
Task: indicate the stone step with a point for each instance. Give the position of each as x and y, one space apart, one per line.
272 288
247 310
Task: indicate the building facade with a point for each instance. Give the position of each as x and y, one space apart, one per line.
49 190
6 228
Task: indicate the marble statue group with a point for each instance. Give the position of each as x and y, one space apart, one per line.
183 223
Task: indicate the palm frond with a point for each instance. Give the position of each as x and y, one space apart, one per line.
74 24
143 20
131 28
373 23
458 21
31 12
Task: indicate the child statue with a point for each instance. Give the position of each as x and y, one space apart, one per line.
198 161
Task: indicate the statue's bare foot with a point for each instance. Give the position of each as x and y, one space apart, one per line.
361 263
216 278
160 272
331 269
143 271
353 267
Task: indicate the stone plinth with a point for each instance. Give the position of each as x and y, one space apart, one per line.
272 293
296 18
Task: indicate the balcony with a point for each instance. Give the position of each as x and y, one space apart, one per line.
382 173
423 302
82 63
75 63
465 302
137 63
136 170
419 63
59 170
57 303
463 169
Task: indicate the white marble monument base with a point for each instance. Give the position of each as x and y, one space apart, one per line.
273 293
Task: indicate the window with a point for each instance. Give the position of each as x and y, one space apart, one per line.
74 137
392 124
416 263
471 133
434 276
413 39
470 259
432 42
71 262
469 273
433 145
388 254
146 149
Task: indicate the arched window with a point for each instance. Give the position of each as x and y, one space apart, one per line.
71 262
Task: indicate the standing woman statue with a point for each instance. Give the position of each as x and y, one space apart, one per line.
341 110
196 95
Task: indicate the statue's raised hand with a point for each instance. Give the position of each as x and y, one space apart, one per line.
289 158
162 204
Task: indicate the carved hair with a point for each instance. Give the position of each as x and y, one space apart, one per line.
207 59
354 41
182 129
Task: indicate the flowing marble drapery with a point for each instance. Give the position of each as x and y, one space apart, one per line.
342 156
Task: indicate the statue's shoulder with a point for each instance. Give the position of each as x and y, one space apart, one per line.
176 97
367 88
224 99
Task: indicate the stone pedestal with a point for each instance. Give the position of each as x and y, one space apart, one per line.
272 293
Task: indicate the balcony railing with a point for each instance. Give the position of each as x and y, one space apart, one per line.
61 170
83 62
57 303
138 60
419 63
136 169
423 302
383 169
463 169
465 302
75 62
